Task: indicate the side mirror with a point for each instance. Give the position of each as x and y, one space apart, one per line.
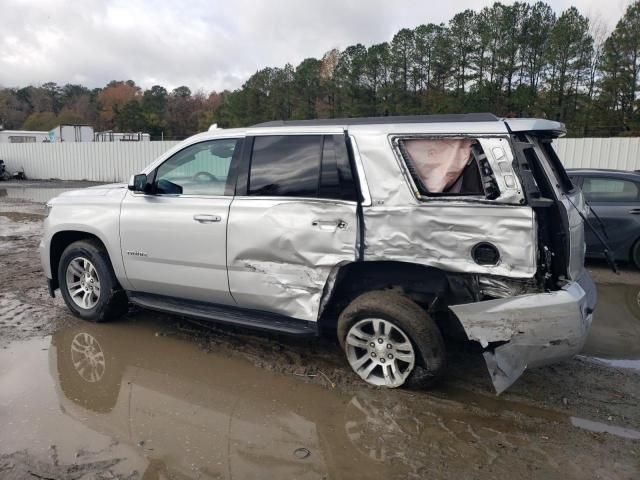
138 183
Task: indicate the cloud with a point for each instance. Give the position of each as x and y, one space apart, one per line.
209 45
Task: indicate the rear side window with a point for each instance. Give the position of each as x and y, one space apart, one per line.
285 165
313 166
609 190
449 166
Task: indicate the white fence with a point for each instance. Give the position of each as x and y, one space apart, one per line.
617 153
117 161
96 161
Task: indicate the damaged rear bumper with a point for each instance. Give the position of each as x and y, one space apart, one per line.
530 330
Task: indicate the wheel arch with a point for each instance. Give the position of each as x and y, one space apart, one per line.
61 240
420 283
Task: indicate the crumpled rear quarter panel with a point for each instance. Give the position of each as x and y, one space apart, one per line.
443 234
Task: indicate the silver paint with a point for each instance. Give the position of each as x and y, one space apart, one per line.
442 234
538 329
281 251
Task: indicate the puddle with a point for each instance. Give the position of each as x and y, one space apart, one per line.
117 400
615 332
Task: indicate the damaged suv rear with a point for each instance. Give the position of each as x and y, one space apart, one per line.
396 233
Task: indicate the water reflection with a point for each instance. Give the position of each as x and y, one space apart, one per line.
190 414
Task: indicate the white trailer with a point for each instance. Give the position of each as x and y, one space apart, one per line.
71 133
23 136
111 136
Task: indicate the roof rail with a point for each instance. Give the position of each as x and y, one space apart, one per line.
444 118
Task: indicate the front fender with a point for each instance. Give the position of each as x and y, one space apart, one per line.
98 216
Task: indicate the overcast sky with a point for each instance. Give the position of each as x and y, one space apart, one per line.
205 44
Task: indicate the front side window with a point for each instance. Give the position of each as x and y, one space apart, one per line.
597 189
199 169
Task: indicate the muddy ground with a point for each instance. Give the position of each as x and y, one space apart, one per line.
156 396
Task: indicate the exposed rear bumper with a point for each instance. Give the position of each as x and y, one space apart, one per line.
530 330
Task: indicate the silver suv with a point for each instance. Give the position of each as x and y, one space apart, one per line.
395 233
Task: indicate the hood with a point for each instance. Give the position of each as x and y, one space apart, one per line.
89 192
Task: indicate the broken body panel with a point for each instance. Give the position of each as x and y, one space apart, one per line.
284 254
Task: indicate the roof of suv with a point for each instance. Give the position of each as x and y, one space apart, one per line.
514 124
464 117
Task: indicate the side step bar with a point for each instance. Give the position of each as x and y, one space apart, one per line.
254 319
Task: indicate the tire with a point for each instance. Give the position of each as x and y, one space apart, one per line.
402 320
106 299
635 254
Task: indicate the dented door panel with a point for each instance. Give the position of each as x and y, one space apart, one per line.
281 251
529 330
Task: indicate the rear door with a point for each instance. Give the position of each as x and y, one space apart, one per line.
292 220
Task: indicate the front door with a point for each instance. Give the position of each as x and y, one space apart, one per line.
292 223
174 239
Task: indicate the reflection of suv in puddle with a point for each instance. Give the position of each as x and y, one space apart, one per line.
190 416
172 410
394 232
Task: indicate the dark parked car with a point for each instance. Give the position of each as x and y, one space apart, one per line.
614 195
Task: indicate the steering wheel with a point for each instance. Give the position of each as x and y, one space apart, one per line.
204 177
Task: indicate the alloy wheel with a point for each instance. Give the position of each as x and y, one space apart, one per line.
380 352
83 283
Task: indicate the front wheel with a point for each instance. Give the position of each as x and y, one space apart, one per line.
88 284
390 341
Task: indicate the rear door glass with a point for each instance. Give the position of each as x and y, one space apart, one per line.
285 165
336 178
313 166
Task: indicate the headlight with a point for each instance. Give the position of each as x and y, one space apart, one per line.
47 209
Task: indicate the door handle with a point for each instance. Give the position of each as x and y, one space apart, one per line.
329 224
635 211
207 218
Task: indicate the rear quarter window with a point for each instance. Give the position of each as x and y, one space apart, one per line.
448 167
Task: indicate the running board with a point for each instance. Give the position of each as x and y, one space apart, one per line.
254 319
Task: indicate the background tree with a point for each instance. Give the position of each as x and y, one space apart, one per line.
521 59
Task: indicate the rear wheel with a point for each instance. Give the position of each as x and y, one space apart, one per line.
390 341
88 284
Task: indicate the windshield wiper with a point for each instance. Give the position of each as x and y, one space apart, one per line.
605 247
